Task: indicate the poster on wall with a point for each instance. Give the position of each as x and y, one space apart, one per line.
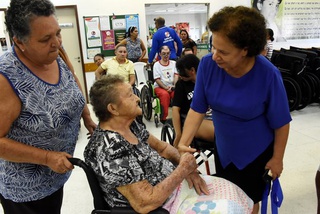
119 35
291 19
91 52
104 23
108 40
132 20
182 25
92 31
118 24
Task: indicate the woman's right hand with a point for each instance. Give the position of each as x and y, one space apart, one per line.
185 149
58 161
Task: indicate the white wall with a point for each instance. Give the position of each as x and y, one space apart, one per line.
107 7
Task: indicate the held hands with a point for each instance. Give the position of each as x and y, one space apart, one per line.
193 178
185 149
58 162
188 163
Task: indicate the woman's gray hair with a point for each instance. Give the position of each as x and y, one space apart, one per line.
104 92
21 13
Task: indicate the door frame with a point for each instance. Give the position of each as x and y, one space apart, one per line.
74 7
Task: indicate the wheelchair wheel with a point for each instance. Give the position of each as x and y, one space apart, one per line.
315 86
293 92
167 132
137 92
306 93
146 104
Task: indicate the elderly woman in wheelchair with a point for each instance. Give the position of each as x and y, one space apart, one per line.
135 168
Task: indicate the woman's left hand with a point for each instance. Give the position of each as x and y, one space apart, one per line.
90 125
196 181
275 166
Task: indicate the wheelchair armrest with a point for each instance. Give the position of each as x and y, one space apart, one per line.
128 210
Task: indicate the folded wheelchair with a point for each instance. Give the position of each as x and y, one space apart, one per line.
100 205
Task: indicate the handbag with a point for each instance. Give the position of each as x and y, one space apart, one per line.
276 196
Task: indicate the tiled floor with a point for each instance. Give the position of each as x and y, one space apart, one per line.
300 164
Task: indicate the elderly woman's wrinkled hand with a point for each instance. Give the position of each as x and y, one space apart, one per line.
196 181
188 163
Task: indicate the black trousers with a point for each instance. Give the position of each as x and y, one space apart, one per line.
48 205
248 179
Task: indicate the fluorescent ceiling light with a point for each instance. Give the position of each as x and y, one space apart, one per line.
194 10
164 11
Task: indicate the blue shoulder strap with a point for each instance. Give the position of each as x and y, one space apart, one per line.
276 196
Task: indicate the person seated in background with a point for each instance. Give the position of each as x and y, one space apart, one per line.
135 168
187 42
98 59
165 76
118 65
318 188
186 51
135 46
187 68
267 52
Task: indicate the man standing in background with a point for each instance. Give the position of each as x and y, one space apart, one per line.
165 36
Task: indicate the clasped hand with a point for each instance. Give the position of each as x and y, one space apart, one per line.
194 179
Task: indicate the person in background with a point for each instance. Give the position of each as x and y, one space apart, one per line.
118 65
98 59
135 46
187 68
149 40
267 52
187 42
318 188
165 36
248 100
186 51
165 76
41 107
205 36
135 168
210 44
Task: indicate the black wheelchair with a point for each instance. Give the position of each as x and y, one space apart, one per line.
301 84
100 205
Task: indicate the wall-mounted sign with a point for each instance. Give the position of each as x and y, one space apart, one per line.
66 25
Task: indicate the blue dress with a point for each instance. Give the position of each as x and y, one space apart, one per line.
245 110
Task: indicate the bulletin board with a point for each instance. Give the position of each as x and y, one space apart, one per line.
103 33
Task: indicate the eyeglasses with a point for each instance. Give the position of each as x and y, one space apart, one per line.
165 54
